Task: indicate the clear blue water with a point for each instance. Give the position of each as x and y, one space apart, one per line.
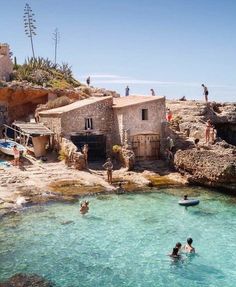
124 241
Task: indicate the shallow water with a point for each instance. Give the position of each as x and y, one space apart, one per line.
124 241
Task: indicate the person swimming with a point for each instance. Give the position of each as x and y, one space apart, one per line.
175 250
186 197
84 208
188 247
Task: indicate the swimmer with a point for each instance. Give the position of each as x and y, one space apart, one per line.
175 251
120 189
84 208
186 197
188 247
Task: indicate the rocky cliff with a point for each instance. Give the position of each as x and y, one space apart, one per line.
22 98
211 164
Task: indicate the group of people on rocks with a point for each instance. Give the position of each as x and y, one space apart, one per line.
187 248
127 89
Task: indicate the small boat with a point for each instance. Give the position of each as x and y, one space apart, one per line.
189 202
6 146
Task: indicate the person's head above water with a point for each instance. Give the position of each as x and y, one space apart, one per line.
175 251
190 241
178 245
185 197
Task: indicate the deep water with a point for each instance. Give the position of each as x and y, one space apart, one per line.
124 241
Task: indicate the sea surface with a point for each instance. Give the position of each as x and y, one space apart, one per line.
124 241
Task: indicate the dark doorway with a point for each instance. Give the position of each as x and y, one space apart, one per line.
227 132
96 143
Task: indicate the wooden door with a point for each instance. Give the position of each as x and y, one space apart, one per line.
146 147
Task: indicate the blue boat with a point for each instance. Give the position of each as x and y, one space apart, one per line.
6 146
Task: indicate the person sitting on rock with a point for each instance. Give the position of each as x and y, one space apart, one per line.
84 208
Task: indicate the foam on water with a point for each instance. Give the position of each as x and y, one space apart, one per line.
124 241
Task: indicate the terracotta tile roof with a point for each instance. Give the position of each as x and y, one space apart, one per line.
133 100
73 106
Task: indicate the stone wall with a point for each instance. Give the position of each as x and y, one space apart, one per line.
73 121
6 66
130 119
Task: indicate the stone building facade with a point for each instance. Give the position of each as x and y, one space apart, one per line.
89 120
6 66
138 122
105 121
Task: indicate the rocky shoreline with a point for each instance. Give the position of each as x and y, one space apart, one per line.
54 181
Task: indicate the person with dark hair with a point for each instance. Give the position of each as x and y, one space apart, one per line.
16 153
152 92
108 166
88 80
127 91
188 247
186 197
84 207
205 92
175 250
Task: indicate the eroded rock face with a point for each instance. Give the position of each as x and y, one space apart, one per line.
25 280
22 98
214 167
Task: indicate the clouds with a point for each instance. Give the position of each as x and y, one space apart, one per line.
110 79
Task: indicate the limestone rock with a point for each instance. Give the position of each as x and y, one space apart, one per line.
214 168
25 280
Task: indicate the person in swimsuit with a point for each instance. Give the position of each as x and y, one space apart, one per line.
188 247
85 152
175 250
84 208
108 166
208 129
16 156
205 92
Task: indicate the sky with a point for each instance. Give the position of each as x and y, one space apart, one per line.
172 46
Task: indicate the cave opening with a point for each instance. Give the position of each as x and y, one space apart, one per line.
226 132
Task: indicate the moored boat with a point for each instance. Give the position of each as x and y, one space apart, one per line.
6 146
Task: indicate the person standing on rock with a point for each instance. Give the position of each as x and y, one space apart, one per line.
88 81
108 166
170 143
205 92
152 92
16 153
127 91
85 149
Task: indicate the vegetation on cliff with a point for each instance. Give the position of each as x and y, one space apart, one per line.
45 73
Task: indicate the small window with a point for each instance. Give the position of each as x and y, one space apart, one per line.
88 124
144 114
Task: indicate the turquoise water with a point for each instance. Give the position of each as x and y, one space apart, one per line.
124 241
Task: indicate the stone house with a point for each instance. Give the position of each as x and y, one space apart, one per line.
138 121
102 122
6 66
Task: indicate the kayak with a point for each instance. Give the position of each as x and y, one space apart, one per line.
189 202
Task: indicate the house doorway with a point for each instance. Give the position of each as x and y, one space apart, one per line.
146 146
96 143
